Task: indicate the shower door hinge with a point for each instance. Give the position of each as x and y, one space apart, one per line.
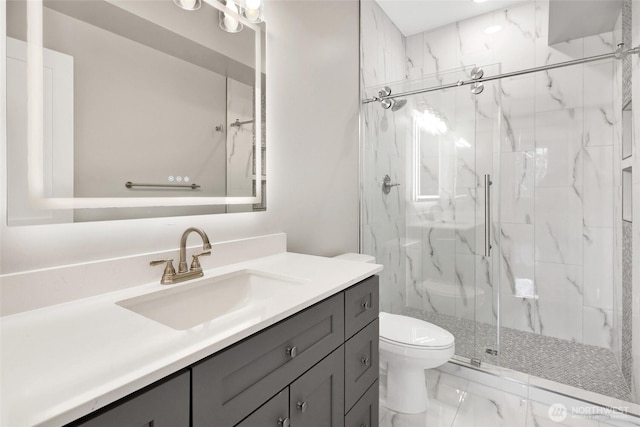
491 352
476 362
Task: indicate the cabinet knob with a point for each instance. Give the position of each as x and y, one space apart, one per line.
366 305
302 406
292 351
364 425
365 361
283 422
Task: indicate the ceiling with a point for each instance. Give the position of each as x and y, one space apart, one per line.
415 16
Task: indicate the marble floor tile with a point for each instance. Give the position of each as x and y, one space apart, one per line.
463 397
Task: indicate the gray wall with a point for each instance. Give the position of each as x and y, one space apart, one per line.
312 138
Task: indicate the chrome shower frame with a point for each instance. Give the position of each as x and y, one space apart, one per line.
386 98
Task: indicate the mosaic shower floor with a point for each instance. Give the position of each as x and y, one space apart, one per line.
586 367
463 397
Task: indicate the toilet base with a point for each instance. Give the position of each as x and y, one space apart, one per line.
406 389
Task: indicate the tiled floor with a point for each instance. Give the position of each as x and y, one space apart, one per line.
586 367
463 397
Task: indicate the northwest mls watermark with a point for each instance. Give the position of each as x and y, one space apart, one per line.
559 412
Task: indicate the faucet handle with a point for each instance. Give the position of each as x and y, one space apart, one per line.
169 271
195 263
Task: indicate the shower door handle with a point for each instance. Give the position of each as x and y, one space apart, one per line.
487 215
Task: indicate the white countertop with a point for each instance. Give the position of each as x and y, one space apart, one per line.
62 362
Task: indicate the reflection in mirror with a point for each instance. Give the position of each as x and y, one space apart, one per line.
141 100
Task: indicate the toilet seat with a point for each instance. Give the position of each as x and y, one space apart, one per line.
413 333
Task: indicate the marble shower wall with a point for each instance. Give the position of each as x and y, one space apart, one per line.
383 147
554 169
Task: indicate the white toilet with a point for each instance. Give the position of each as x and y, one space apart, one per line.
408 346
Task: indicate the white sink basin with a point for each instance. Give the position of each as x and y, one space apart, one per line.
211 298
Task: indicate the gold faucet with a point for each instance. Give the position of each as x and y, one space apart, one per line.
169 276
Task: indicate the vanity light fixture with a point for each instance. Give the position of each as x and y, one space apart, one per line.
227 21
479 1
188 4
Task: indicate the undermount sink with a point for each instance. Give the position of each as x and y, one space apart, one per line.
211 298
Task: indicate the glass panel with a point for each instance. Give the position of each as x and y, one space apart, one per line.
426 230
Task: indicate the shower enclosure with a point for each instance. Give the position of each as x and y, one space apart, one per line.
492 202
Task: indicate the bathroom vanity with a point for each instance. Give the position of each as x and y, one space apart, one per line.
309 358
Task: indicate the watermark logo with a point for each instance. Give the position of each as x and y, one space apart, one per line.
558 412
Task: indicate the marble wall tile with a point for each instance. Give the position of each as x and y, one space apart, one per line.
561 88
560 319
558 225
598 104
558 138
415 55
441 51
517 98
517 260
598 267
517 189
559 282
515 44
598 187
598 327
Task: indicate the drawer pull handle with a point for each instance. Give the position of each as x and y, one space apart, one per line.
283 422
364 425
366 305
292 351
302 406
365 361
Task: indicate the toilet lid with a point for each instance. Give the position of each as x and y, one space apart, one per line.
413 332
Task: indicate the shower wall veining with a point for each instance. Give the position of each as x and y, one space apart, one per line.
555 160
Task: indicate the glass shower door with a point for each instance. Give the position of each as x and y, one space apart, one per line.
428 231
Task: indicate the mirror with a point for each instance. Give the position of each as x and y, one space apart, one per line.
137 109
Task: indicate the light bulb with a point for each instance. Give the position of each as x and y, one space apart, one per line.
188 4
229 23
253 4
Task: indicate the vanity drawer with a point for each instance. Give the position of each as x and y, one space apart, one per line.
162 405
228 384
366 411
361 363
361 305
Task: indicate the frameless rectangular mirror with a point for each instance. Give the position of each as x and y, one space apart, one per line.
136 109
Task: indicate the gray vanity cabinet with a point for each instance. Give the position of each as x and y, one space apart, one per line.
317 368
164 404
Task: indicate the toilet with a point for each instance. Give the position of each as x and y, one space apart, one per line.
408 346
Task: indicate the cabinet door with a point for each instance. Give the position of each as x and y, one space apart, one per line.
317 397
365 412
361 364
274 413
163 405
